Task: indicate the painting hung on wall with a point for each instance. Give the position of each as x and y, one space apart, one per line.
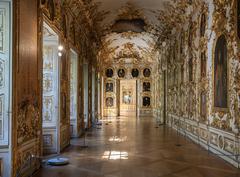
127 97
121 73
109 102
135 72
146 86
109 87
109 72
190 69
203 108
146 72
238 18
220 73
146 101
203 25
203 65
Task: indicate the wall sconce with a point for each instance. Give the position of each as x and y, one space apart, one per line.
60 49
59 54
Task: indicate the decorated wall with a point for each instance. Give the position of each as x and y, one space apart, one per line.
201 60
26 133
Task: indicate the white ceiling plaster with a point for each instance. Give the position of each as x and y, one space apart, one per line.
148 8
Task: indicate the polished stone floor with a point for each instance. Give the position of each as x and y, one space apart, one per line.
130 147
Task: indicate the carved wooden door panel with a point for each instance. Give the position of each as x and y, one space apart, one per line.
4 71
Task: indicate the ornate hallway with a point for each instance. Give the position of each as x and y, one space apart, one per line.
65 65
130 147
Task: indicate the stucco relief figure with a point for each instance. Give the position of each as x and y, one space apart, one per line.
121 73
109 102
127 97
146 86
109 87
146 72
146 101
220 73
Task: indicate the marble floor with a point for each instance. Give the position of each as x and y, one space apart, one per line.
130 147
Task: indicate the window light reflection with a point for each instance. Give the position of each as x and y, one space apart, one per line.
115 155
117 139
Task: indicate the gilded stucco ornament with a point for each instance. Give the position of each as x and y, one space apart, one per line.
28 122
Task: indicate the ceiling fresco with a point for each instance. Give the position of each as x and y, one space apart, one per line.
131 28
128 45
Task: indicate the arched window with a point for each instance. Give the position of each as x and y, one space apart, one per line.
220 73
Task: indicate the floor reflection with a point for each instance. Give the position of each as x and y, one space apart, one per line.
117 139
133 147
115 155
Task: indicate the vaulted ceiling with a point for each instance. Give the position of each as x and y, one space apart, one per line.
151 21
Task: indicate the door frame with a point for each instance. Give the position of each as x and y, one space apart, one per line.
58 85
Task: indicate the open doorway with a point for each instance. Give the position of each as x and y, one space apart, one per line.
128 98
74 119
50 93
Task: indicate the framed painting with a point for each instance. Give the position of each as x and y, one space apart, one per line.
190 69
238 17
146 86
109 72
146 72
203 65
109 87
203 25
135 73
109 102
121 73
220 74
203 106
146 101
